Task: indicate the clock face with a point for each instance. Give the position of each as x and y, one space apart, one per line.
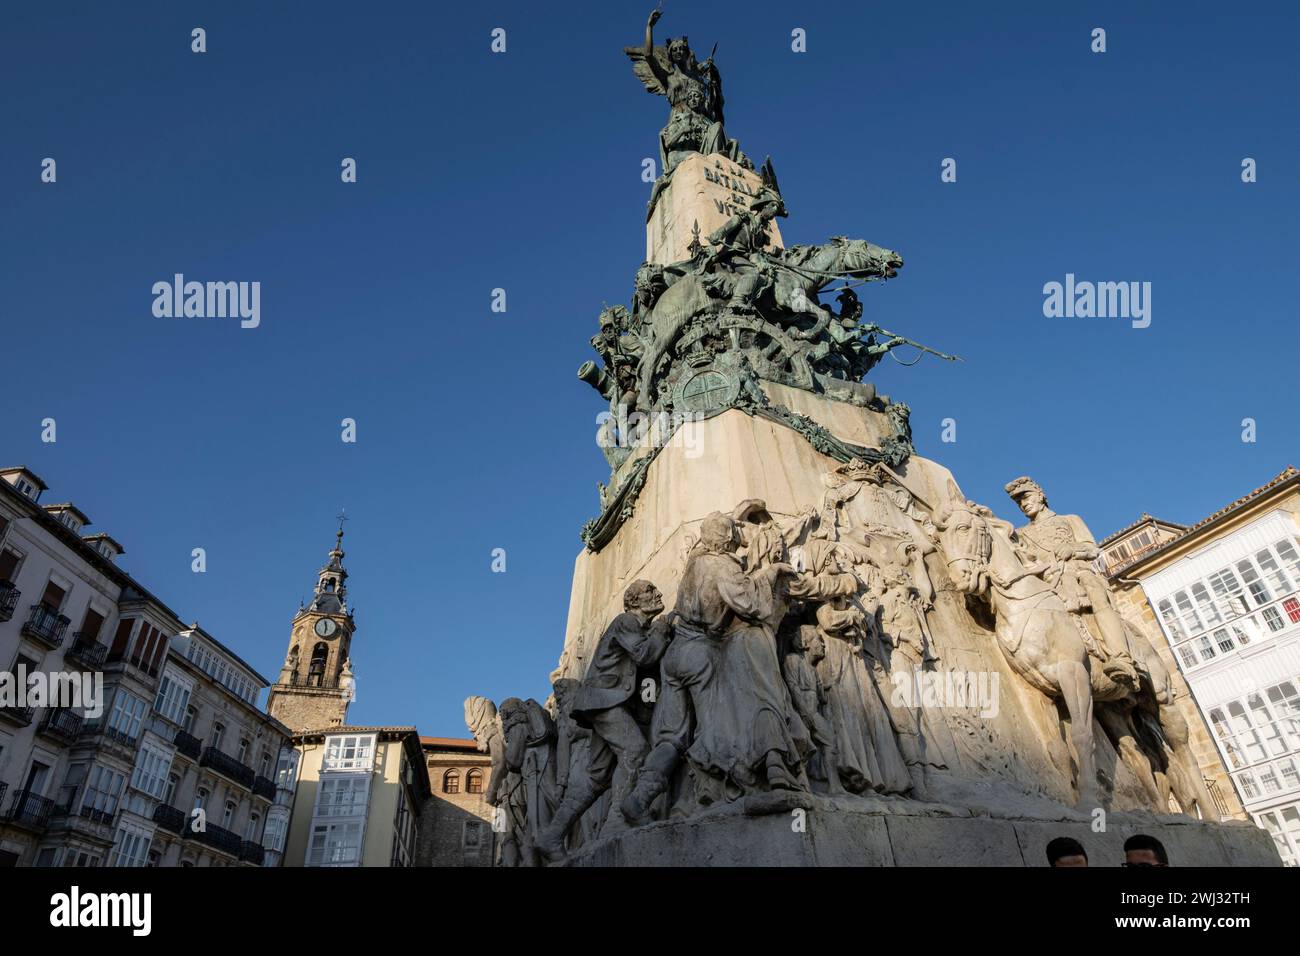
325 627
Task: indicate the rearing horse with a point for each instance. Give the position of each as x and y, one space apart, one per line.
1033 628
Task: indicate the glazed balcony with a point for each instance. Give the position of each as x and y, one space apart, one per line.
8 600
227 766
86 652
29 810
62 725
169 818
46 625
188 744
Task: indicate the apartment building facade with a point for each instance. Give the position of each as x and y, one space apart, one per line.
361 791
1225 594
167 725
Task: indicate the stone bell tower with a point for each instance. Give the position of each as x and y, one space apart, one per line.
316 684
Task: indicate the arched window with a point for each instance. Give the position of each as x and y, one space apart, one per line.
451 781
316 673
474 781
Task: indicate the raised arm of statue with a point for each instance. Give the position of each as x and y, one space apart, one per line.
652 61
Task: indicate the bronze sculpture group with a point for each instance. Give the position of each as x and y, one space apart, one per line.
773 682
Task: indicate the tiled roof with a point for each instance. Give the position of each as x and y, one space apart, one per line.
1288 474
1143 519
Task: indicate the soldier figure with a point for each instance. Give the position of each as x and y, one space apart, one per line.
1064 547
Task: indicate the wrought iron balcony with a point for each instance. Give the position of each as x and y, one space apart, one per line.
3 787
103 817
263 788
62 724
86 651
30 810
22 716
227 766
118 736
8 600
251 852
188 744
219 838
169 818
46 625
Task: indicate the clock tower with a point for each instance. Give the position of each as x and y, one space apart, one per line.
316 683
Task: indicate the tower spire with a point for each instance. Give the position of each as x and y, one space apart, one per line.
316 682
331 591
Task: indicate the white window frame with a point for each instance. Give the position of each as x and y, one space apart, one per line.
349 752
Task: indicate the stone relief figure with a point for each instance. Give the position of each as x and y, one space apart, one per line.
1150 719
1033 627
859 497
763 540
804 650
529 734
1064 548
923 734
868 754
604 704
572 753
723 703
485 726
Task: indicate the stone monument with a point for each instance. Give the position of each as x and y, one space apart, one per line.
791 640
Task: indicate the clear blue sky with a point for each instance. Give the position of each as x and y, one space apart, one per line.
521 171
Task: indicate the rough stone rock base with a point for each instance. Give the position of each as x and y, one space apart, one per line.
766 832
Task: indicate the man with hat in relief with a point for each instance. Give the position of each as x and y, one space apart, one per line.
1063 545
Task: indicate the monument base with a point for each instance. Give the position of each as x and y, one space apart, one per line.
779 829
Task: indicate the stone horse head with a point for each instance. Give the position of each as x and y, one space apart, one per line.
966 542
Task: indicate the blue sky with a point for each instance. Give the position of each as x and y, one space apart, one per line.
522 171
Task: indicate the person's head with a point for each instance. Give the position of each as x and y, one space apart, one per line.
695 99
679 50
1065 851
1143 850
644 597
718 533
1028 494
